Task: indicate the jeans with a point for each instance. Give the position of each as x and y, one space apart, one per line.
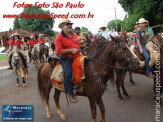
67 67
147 59
43 45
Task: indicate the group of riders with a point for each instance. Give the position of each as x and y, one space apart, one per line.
15 40
69 46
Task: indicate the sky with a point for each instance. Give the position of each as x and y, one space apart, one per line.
103 11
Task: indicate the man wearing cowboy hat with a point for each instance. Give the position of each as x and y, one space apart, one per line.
104 32
41 40
17 42
149 31
31 44
67 48
10 42
141 36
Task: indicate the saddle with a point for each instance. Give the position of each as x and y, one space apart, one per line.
57 75
154 53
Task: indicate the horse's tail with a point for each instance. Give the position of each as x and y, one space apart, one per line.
40 85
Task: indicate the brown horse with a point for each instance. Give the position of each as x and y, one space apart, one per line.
98 69
120 72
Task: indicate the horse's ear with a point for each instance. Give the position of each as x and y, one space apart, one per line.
113 38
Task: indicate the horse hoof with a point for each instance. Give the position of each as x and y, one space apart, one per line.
63 117
18 85
122 101
133 84
49 116
127 97
24 85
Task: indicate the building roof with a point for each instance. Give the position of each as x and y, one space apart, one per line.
23 33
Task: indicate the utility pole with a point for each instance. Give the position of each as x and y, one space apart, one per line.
115 19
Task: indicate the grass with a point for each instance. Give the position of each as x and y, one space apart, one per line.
2 57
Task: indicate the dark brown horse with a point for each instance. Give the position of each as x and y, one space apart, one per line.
120 72
98 69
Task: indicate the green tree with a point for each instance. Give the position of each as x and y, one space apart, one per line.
16 24
36 24
112 23
84 30
152 10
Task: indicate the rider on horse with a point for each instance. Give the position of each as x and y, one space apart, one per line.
67 48
31 44
42 41
17 42
81 38
142 36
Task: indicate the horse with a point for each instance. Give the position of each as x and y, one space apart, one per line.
44 52
120 72
17 65
98 69
35 56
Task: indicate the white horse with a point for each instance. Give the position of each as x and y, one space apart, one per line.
17 66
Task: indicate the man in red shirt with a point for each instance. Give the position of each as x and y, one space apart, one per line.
17 42
31 44
67 48
42 41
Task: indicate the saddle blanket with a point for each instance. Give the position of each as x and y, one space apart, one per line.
57 75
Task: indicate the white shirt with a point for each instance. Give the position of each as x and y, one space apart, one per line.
114 33
105 34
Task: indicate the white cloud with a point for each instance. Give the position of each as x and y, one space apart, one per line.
103 11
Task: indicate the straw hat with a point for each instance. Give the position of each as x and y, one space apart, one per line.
64 21
141 20
103 27
32 36
16 34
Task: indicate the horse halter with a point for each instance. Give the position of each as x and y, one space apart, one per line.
121 44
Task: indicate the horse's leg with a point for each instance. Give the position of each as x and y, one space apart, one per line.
92 102
47 92
16 74
102 109
56 99
124 90
24 85
130 78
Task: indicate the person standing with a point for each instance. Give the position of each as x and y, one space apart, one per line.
67 48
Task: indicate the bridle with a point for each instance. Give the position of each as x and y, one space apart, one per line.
119 50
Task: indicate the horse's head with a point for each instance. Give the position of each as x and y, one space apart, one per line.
15 56
123 54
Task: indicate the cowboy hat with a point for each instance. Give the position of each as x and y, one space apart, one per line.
64 21
141 20
11 35
40 35
16 34
32 36
103 27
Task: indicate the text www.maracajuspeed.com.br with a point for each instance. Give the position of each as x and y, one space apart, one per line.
46 16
